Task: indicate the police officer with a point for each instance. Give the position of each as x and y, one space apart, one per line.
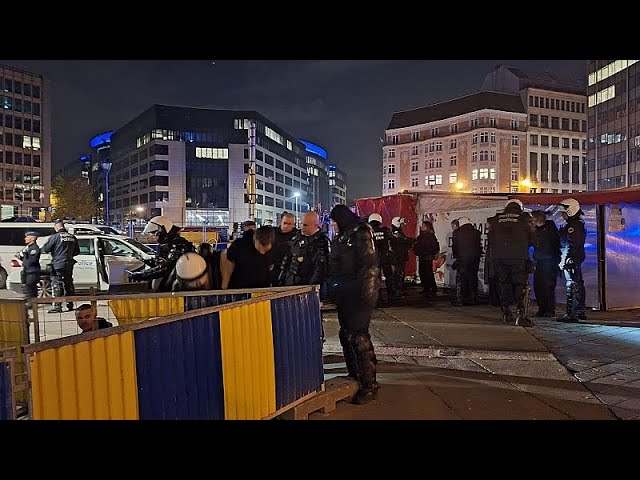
467 250
171 247
30 275
307 262
354 283
572 236
382 236
63 246
400 245
512 237
192 273
426 248
546 255
490 276
282 247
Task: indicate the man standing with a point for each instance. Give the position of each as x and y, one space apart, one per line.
307 262
63 246
400 245
248 261
282 246
382 236
512 237
354 285
426 248
546 255
573 235
467 250
30 274
490 275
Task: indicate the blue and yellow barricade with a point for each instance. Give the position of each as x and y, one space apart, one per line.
249 359
7 384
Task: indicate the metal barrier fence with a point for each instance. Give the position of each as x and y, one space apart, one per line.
7 385
249 359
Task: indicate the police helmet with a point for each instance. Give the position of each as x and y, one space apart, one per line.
570 206
190 266
516 201
158 224
375 217
398 222
463 221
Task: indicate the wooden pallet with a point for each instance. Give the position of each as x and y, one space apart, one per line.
336 389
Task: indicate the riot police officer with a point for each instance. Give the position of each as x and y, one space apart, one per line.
400 245
307 262
282 246
353 284
572 236
192 273
63 247
382 237
546 255
467 250
162 231
512 237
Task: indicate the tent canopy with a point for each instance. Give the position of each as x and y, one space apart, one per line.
619 195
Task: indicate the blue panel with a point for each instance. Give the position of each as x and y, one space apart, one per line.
179 370
6 407
297 345
195 303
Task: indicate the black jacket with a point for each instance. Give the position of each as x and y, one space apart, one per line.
467 243
63 246
546 242
353 264
573 235
281 249
30 256
512 234
400 244
307 262
426 246
382 237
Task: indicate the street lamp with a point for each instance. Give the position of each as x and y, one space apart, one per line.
106 167
459 186
431 181
297 194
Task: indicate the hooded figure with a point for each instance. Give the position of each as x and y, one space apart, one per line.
353 284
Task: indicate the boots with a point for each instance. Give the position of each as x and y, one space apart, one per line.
366 367
507 316
349 354
570 316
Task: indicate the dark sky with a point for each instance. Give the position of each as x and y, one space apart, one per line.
342 105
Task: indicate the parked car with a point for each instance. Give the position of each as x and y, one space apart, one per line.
103 259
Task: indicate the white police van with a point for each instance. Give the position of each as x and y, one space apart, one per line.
103 259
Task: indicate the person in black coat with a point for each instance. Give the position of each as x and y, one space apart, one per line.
546 255
467 250
30 275
400 245
282 246
426 248
63 246
353 285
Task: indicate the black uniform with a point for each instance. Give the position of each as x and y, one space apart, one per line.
308 261
251 268
573 236
512 237
281 249
63 247
171 248
490 276
546 255
30 274
353 284
467 250
426 248
400 245
382 237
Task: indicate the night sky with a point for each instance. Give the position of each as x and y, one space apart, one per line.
342 105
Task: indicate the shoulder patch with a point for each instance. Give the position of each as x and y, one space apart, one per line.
571 230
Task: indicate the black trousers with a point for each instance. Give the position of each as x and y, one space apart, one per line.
576 294
545 279
427 278
513 283
30 284
467 280
62 283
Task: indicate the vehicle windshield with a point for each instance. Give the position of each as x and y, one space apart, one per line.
140 246
108 230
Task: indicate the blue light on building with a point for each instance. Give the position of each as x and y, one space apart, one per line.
101 139
313 148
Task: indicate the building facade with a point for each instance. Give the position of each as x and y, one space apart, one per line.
557 128
25 143
613 123
318 177
191 165
100 169
337 184
476 143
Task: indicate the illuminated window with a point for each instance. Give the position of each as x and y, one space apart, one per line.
483 173
453 177
474 174
273 135
492 173
214 153
438 179
289 145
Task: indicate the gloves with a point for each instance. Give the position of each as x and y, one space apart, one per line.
135 277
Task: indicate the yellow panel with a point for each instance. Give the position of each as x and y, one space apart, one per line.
89 380
248 368
138 309
259 294
12 317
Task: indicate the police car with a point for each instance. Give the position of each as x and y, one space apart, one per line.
103 260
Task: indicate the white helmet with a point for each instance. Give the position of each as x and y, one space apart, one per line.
398 222
463 221
375 217
515 200
570 206
190 266
158 223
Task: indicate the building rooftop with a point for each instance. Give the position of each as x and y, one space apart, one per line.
458 106
497 79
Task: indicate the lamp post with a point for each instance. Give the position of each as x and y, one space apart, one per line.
106 167
431 181
297 194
